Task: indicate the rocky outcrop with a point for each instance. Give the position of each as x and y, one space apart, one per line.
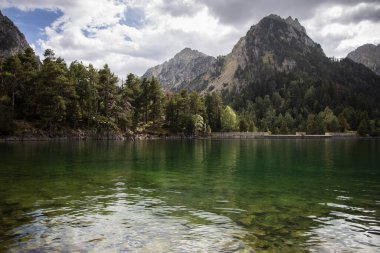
273 45
179 71
12 41
368 55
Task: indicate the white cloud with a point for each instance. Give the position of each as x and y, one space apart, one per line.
340 29
98 32
133 35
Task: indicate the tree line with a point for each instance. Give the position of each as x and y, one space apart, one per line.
323 96
53 96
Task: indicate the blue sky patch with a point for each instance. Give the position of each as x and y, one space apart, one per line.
32 23
133 18
87 33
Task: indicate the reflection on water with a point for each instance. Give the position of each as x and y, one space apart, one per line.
128 221
349 228
197 196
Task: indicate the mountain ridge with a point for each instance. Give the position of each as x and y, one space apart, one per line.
368 55
276 78
186 65
262 47
271 42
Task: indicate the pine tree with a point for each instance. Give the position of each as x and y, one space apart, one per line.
109 101
156 105
214 107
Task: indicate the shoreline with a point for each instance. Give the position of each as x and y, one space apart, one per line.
142 137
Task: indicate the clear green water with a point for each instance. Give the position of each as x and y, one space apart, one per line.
191 196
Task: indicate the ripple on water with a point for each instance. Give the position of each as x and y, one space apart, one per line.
346 229
147 224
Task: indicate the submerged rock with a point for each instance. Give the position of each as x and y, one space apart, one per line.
247 220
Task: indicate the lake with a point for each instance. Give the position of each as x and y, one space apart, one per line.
191 196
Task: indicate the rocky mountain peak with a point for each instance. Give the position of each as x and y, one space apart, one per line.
281 28
186 50
368 55
274 33
273 16
295 23
188 54
12 41
180 70
274 45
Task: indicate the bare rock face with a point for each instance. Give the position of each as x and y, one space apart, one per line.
12 41
273 45
368 55
179 71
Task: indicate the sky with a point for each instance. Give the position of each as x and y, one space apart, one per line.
133 35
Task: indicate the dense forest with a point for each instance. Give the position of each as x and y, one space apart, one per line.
325 95
53 96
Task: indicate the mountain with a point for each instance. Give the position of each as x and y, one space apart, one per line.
275 70
273 45
276 79
179 71
12 41
368 55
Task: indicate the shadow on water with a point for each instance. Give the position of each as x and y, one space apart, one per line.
202 195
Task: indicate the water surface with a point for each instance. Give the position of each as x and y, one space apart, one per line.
191 196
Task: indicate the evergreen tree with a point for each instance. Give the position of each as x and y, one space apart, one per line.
214 106
243 125
329 119
109 99
156 103
11 70
171 114
145 98
284 127
28 81
133 91
54 92
363 128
